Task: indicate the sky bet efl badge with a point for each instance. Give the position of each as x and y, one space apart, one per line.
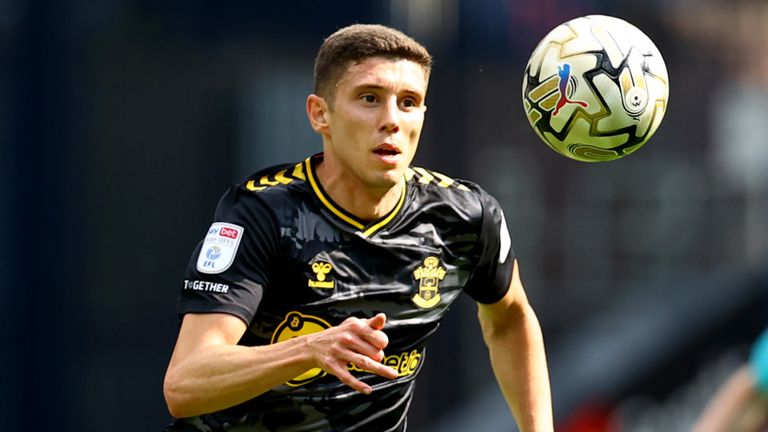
219 248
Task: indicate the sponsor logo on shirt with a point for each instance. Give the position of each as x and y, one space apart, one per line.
198 285
405 363
229 232
321 270
297 324
219 248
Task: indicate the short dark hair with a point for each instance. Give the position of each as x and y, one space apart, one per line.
356 42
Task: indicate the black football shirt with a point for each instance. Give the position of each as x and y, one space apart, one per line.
288 261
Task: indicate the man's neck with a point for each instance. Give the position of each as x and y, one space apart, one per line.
366 203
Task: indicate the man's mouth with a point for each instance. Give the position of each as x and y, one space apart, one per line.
388 154
387 150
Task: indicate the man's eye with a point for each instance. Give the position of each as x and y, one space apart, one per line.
409 103
369 98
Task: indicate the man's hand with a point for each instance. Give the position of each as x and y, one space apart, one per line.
209 371
360 342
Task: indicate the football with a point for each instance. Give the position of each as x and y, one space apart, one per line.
595 88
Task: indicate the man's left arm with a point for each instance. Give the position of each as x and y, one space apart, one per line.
516 347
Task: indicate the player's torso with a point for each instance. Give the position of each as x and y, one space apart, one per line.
327 266
411 265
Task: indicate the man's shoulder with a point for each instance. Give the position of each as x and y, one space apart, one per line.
275 179
440 186
265 191
434 189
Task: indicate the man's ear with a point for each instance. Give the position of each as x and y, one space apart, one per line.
317 111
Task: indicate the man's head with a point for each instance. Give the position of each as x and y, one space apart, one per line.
354 43
369 105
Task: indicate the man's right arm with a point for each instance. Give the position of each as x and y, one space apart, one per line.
208 371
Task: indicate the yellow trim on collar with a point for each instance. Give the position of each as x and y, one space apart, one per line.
312 181
343 216
389 217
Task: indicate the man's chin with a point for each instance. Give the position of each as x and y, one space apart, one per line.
387 179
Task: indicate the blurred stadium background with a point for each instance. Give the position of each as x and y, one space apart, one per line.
122 122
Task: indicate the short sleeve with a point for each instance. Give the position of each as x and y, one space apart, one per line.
230 266
492 274
759 361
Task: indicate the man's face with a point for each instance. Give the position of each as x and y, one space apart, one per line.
376 120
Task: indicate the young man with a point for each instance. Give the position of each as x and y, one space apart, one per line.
308 304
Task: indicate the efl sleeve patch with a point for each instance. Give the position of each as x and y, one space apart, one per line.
219 248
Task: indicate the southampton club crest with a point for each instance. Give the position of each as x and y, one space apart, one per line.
429 276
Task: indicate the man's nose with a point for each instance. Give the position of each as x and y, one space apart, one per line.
390 116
